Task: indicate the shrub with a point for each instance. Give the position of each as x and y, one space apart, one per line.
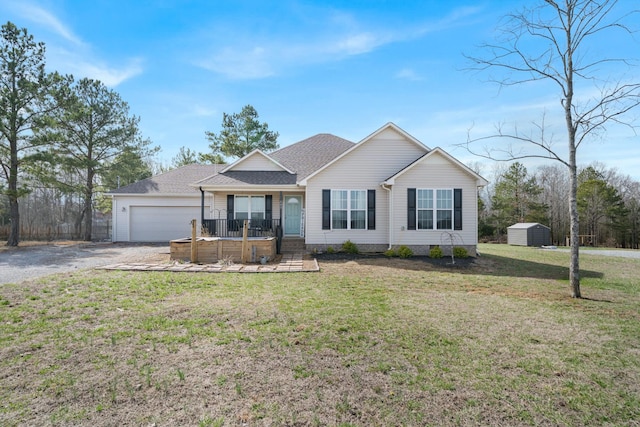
390 253
330 250
405 252
460 252
350 247
435 252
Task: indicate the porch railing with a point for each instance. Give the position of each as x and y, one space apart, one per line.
234 227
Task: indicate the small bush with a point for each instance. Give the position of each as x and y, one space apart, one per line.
350 247
390 253
435 252
330 250
460 252
405 252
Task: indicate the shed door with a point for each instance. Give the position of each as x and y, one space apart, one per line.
161 223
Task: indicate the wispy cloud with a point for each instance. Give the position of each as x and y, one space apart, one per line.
43 17
111 77
342 37
68 53
408 74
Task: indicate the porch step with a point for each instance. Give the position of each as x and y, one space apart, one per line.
293 244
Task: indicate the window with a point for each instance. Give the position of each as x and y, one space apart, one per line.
444 209
250 207
425 209
430 215
339 209
349 209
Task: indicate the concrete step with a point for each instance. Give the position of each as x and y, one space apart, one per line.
292 245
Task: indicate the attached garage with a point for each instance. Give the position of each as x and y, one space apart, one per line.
160 208
529 234
161 223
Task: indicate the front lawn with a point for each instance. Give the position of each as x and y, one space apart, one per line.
365 342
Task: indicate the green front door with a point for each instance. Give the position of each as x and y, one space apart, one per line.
292 215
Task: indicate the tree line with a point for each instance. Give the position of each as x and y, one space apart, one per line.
65 142
62 140
608 204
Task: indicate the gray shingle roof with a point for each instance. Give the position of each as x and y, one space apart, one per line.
309 155
303 158
250 178
175 181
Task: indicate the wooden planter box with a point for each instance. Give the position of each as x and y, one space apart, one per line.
211 249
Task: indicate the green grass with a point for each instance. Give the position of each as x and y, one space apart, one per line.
366 342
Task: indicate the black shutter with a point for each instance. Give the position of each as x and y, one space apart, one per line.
231 226
268 211
411 208
326 209
457 209
371 209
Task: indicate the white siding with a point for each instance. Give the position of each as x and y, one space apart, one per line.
364 168
435 172
256 162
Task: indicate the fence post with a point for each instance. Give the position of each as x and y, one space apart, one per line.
245 233
194 243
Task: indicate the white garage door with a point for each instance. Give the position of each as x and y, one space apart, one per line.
162 223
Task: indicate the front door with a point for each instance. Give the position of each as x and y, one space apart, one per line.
292 215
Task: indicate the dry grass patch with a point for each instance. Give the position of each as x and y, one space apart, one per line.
368 341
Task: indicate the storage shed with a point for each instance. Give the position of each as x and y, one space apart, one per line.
529 234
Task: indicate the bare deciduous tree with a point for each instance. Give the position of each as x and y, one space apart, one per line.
550 42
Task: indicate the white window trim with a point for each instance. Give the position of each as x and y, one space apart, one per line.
366 219
249 196
434 192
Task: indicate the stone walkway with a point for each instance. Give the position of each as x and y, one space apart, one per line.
289 263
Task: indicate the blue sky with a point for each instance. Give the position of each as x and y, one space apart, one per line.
308 67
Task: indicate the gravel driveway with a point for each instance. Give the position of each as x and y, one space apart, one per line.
607 252
24 263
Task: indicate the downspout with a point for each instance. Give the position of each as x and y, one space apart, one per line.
390 200
201 207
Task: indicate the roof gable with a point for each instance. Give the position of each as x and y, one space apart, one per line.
256 161
480 181
307 156
389 131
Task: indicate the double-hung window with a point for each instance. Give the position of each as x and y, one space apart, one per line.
444 209
349 209
425 209
250 207
434 209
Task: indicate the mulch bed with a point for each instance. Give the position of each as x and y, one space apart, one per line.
439 262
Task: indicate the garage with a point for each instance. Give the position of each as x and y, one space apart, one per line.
161 223
160 208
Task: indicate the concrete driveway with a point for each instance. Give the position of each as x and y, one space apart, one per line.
30 262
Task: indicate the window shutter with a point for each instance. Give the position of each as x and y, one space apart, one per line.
371 209
268 211
411 208
231 226
457 209
326 209
230 206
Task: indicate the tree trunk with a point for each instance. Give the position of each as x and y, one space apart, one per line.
14 230
14 212
88 208
574 265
